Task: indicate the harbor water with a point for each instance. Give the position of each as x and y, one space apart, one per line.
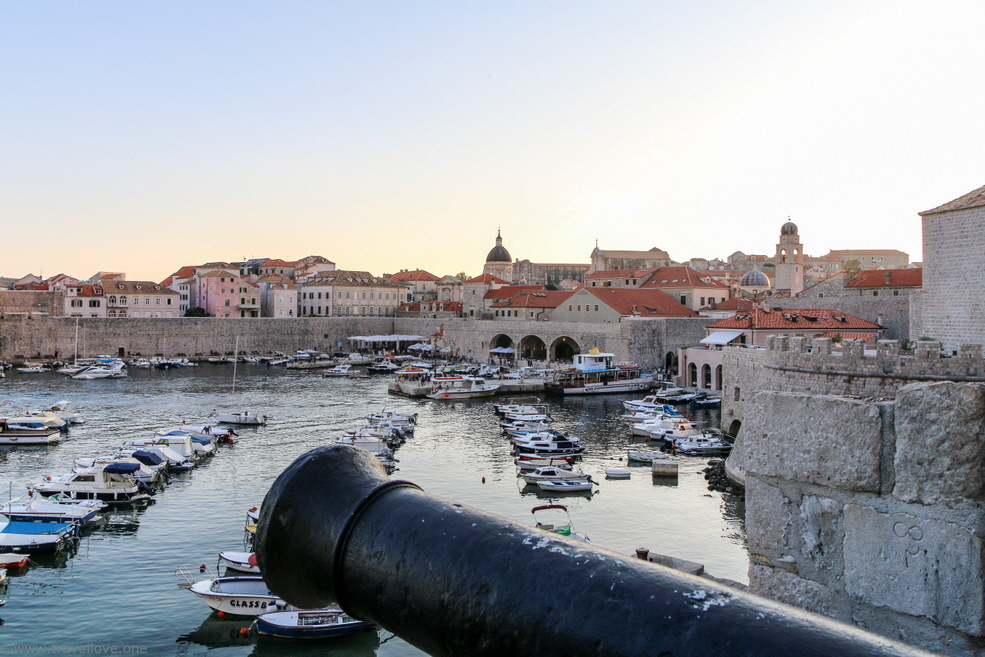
117 592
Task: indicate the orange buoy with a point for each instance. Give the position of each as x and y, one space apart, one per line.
244 630
483 480
221 614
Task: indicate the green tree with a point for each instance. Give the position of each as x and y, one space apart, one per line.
852 265
195 311
462 276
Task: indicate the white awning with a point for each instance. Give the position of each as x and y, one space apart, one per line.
721 337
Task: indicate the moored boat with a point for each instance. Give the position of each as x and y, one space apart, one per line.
566 485
563 527
241 596
461 387
311 624
595 373
245 418
14 435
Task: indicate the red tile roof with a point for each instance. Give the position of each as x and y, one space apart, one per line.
733 304
674 277
535 299
887 278
794 319
645 303
486 278
416 275
512 290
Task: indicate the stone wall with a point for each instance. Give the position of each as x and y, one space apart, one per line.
32 301
871 511
29 336
954 258
786 364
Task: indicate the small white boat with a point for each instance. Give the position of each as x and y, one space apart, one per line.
342 369
63 409
646 457
13 560
12 435
702 444
35 508
241 596
111 483
562 527
552 473
461 387
618 473
566 485
533 464
246 418
245 562
33 369
36 537
103 369
548 443
311 624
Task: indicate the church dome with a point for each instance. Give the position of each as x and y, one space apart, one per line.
499 252
755 278
789 228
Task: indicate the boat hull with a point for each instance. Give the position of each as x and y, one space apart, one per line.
612 387
285 625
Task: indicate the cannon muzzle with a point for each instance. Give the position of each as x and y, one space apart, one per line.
456 581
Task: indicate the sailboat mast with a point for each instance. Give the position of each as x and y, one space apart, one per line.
235 362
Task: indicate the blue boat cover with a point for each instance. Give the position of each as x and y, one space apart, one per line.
147 458
176 432
19 527
121 468
201 440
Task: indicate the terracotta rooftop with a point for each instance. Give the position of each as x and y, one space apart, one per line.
416 275
887 278
681 276
734 305
865 252
794 319
487 278
534 299
644 303
512 290
975 199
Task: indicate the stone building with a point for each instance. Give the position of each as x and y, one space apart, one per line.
872 258
789 260
606 260
498 261
344 293
954 259
548 274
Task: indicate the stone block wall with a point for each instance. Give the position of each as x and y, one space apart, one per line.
871 511
954 258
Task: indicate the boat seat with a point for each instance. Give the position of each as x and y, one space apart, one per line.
545 526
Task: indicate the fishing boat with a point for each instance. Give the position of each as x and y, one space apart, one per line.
705 443
596 373
311 624
562 527
618 473
566 485
552 473
461 387
14 435
244 418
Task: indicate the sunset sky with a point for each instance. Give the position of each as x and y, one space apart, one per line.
142 136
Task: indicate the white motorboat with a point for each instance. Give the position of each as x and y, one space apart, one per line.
182 444
103 369
650 402
398 419
202 444
12 435
342 369
241 596
382 366
566 485
562 526
666 428
522 427
63 409
220 434
548 443
245 562
702 444
595 373
552 473
35 508
646 457
148 475
461 387
113 483
311 624
174 460
244 418
33 369
527 465
36 537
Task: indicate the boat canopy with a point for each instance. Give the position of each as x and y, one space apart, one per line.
122 468
721 337
147 458
33 528
502 350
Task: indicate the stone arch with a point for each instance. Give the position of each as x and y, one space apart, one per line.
706 376
718 377
733 428
532 348
670 362
563 349
692 375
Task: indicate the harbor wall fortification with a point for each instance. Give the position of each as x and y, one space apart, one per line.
865 495
27 336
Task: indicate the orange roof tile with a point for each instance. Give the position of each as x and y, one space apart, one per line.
682 276
887 278
793 319
975 199
416 275
535 299
486 278
511 291
645 303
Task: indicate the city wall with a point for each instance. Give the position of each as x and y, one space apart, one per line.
27 336
864 485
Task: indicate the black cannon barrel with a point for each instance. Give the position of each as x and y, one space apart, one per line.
456 581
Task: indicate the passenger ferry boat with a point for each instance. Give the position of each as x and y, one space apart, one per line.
595 373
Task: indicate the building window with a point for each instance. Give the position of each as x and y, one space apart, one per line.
683 300
76 303
227 303
94 303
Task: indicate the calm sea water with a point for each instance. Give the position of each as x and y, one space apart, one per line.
118 590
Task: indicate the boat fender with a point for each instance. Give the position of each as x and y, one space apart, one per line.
201 568
221 614
483 480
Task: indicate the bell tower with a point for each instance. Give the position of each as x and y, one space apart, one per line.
789 260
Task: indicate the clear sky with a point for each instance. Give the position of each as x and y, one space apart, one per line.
142 136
